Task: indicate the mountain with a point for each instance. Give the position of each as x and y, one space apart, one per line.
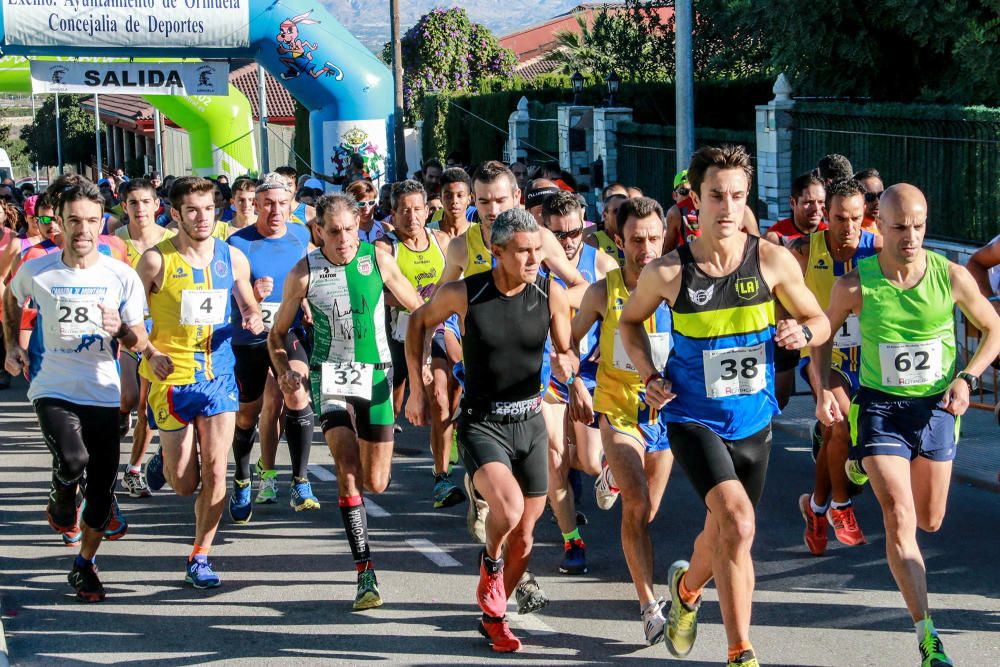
369 20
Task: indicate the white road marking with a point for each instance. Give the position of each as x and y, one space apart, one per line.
322 474
433 552
798 449
530 623
372 508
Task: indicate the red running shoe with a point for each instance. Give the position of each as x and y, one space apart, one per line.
490 593
845 526
499 635
816 525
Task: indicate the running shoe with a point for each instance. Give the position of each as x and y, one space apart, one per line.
816 525
267 491
682 621
117 526
653 621
475 515
86 582
528 595
446 494
200 573
135 484
932 651
745 659
605 491
240 507
845 526
61 509
498 634
397 428
490 593
301 497
124 423
73 536
855 472
574 557
368 596
154 471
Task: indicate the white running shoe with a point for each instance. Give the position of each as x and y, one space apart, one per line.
605 491
475 515
653 621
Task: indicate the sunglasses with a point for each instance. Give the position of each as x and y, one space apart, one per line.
682 191
46 219
871 197
571 234
367 204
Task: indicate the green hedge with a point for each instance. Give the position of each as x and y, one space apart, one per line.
448 126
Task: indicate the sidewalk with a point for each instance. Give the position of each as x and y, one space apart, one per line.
978 459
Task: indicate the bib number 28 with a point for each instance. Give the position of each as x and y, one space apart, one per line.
735 371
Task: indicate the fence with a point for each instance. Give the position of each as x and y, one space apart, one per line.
956 162
647 155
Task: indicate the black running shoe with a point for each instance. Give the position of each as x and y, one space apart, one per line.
86 582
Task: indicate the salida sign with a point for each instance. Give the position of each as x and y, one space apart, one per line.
130 78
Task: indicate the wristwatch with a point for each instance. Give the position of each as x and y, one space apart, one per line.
970 380
807 333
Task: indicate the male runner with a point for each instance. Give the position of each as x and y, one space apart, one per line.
984 265
603 235
638 457
823 257
301 214
719 397
538 191
88 306
420 257
350 367
456 194
140 234
808 201
682 218
502 436
272 246
872 182
244 197
906 413
190 280
562 214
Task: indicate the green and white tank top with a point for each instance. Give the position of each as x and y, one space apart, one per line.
907 335
348 309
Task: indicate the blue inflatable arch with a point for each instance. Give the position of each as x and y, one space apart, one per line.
347 90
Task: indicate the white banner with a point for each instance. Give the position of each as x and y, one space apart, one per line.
366 138
198 78
177 24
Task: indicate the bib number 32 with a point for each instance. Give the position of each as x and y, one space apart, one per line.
735 371
347 380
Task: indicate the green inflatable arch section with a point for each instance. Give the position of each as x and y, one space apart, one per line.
220 128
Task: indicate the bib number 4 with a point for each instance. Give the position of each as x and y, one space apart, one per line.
203 306
735 371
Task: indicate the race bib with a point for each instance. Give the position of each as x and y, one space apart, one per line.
399 330
347 379
203 306
268 310
849 334
78 316
659 345
908 364
735 371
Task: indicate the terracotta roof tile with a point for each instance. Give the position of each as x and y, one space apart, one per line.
280 103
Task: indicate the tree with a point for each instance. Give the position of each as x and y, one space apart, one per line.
445 52
76 129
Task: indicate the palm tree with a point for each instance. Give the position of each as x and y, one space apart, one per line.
579 51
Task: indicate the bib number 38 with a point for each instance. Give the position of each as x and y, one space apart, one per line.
909 364
735 371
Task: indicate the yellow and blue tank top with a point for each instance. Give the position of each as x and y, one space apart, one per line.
822 271
299 214
620 391
722 364
478 257
191 316
132 254
587 266
608 245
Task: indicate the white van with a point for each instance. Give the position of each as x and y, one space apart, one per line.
6 171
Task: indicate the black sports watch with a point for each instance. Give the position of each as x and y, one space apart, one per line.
970 380
807 333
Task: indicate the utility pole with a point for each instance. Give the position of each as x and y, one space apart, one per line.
262 113
97 133
399 156
58 138
684 81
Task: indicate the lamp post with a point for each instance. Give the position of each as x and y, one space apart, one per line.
577 81
614 83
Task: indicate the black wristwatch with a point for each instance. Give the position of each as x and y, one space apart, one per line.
970 380
807 333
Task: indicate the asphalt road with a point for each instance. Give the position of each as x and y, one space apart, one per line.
288 580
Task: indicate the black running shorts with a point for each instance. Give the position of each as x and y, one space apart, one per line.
522 446
709 460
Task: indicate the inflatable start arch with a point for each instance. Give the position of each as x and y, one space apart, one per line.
347 90
220 128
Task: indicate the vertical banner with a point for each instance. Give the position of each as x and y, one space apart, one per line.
366 138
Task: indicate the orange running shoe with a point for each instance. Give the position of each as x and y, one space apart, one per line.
845 526
499 635
490 593
816 525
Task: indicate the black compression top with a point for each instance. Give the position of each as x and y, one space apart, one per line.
504 341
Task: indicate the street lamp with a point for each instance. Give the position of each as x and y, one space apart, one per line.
614 83
577 81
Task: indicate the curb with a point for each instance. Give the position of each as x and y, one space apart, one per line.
957 474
